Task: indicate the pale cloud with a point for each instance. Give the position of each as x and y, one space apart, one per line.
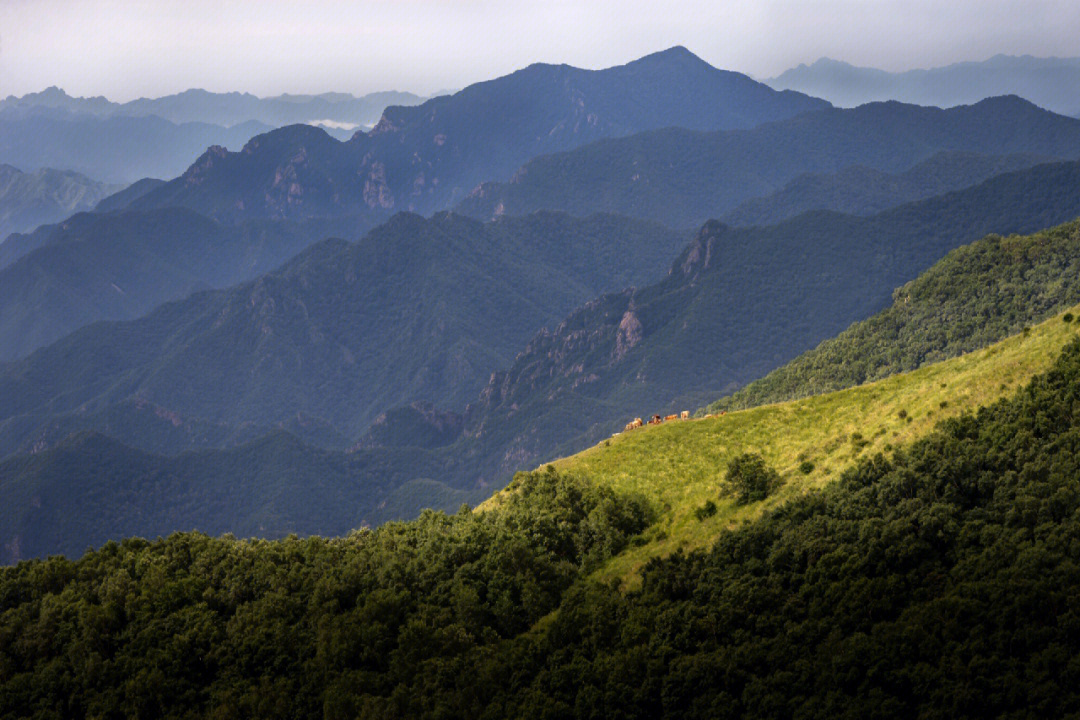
124 49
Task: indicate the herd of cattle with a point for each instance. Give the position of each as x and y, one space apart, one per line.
656 420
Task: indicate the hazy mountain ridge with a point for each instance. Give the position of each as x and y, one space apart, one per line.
859 190
226 109
113 149
734 306
119 266
418 309
120 200
45 196
682 178
1052 83
427 157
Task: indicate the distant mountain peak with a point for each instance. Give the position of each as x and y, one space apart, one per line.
674 57
288 135
1006 101
827 62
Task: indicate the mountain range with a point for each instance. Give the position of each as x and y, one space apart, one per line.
418 309
428 157
45 196
737 303
110 149
682 178
1051 82
121 265
275 484
226 109
860 190
386 342
336 344
310 347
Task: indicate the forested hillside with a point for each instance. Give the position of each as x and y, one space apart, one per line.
736 305
418 309
976 295
121 266
807 611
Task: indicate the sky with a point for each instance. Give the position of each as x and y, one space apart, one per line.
125 49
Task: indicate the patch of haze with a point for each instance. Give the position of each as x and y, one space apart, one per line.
124 49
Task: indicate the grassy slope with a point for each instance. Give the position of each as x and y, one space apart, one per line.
679 466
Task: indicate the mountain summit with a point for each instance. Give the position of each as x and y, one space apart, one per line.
427 157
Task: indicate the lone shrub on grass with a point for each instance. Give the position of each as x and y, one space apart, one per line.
751 479
705 511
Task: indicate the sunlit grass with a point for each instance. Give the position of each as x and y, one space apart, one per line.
680 465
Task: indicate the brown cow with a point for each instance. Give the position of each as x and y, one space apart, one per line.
671 417
684 415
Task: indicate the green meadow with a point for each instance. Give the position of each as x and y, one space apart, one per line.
680 466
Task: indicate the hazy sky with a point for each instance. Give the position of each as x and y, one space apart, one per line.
130 48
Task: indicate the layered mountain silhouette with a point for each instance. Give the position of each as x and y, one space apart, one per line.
45 196
736 303
859 190
120 266
225 109
120 200
419 309
110 149
1052 83
683 178
428 157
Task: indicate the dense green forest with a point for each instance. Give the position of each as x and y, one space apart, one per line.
937 582
976 295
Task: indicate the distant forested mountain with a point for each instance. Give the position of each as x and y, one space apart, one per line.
184 375
110 149
45 196
859 190
736 304
226 109
1052 83
91 488
416 310
428 157
683 178
120 266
